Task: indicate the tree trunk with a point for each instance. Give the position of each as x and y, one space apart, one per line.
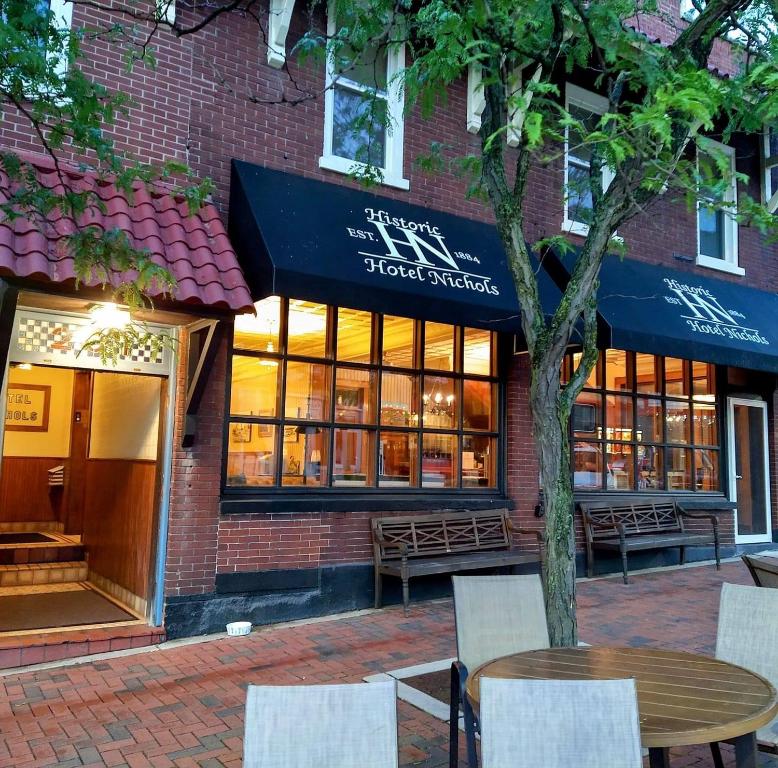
553 448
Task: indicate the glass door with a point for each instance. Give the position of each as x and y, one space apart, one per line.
749 477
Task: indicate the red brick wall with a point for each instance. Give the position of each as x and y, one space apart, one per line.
195 488
197 106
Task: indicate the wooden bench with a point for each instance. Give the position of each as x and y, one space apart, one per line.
445 542
628 527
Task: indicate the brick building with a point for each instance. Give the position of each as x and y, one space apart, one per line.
365 387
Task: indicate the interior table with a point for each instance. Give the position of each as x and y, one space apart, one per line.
683 698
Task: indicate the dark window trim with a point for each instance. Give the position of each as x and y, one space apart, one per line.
237 495
663 397
374 501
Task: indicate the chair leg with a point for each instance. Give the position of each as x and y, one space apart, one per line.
683 555
624 565
715 751
453 730
379 589
472 754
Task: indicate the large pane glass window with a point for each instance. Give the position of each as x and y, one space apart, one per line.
307 391
398 342
398 459
251 454
479 461
307 329
479 403
648 374
439 346
305 456
254 386
439 461
439 402
399 399
658 430
352 463
478 352
355 335
355 391
332 398
260 332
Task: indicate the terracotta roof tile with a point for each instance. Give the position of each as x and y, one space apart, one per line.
194 248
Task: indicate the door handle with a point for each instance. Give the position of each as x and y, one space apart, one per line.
738 477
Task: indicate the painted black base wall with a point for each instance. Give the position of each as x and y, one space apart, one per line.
270 597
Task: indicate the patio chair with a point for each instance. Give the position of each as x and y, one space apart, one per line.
763 574
495 616
321 726
559 723
747 632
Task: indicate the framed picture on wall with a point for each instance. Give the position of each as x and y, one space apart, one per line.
241 433
27 407
291 435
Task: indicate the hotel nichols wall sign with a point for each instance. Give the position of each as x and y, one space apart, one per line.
408 250
704 315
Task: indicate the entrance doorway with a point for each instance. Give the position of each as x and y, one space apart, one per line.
79 494
749 475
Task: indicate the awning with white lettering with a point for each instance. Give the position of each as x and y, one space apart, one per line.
650 308
327 243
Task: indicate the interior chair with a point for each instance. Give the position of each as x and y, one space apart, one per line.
748 636
559 723
495 616
762 574
321 726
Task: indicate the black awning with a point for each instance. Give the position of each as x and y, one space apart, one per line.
650 308
321 242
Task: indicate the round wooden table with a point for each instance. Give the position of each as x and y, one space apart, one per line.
683 698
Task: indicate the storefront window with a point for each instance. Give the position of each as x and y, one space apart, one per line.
330 397
652 424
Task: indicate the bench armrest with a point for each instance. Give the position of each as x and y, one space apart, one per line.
536 532
605 526
380 544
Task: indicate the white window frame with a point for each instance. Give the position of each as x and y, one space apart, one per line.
769 195
730 261
63 17
579 97
392 172
687 10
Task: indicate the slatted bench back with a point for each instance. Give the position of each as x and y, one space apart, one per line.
442 533
637 519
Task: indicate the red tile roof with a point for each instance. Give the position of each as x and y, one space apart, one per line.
195 249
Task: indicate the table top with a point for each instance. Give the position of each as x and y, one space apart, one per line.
683 698
769 558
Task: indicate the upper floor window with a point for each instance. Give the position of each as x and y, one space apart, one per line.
717 233
770 165
363 110
586 107
30 19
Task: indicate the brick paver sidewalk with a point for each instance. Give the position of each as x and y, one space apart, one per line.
183 706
